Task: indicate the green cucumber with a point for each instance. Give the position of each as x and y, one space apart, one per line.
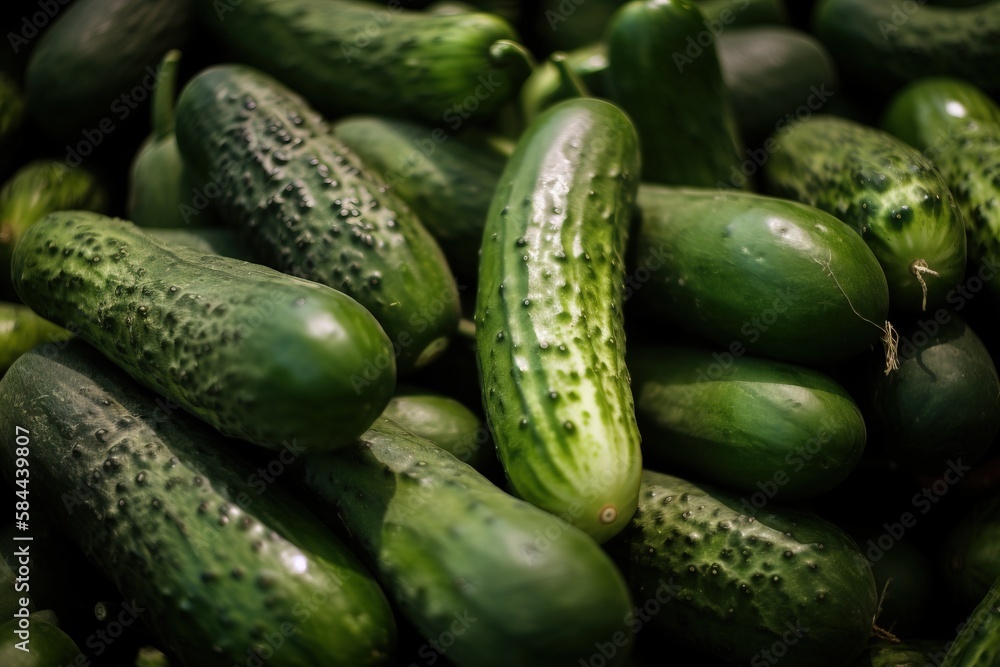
941 407
750 425
35 190
444 421
257 354
161 504
512 584
883 44
771 72
97 62
958 127
885 190
549 322
206 240
159 184
429 67
677 98
971 552
43 644
447 180
724 14
22 329
309 207
757 274
778 585
978 642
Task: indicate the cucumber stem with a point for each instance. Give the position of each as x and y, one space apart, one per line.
918 268
164 94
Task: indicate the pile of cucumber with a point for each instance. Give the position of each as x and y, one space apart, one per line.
604 333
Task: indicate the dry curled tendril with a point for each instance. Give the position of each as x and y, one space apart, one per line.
918 268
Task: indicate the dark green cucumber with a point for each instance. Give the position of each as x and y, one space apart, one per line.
97 62
43 644
958 127
978 642
309 207
22 329
447 180
737 585
549 322
885 190
724 14
749 425
514 584
159 184
971 552
771 74
257 354
223 572
35 190
444 421
941 407
206 240
435 68
757 274
675 95
883 44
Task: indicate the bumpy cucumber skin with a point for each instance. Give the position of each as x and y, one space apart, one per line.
363 57
738 583
35 190
96 51
753 274
882 45
681 110
746 424
22 329
162 506
446 180
958 127
978 642
942 405
258 354
885 190
309 206
549 322
446 544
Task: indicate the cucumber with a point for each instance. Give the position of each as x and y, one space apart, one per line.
958 127
771 72
257 354
159 185
444 421
941 407
910 653
206 240
978 642
224 573
756 274
749 588
309 207
885 190
35 190
882 44
97 62
549 324
442 69
447 180
43 644
971 552
676 96
22 329
750 425
511 584
725 14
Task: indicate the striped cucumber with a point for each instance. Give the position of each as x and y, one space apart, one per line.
258 354
549 323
